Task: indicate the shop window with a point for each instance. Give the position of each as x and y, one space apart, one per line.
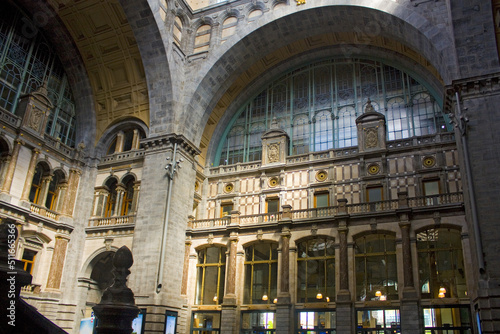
315 270
376 271
447 320
225 209
316 322
321 200
211 272
441 264
370 321
28 260
205 323
261 272
258 322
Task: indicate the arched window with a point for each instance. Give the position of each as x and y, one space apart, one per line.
128 195
441 263
26 63
315 270
229 28
177 31
211 273
261 272
376 272
112 196
53 191
37 184
330 95
202 38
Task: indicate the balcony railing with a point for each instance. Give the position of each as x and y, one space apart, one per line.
112 221
342 209
31 288
43 211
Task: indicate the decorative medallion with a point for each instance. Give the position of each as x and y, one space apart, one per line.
273 152
228 188
273 182
373 169
371 138
321 175
429 162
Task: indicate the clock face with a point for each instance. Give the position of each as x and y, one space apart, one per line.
321 175
429 161
228 188
373 169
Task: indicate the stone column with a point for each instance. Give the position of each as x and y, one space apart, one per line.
120 193
45 190
120 139
229 314
69 200
62 187
283 305
136 140
9 174
30 174
230 293
410 308
344 308
135 198
185 270
57 263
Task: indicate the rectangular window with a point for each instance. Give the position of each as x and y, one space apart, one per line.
374 194
447 320
225 209
205 323
273 205
258 322
375 321
321 200
316 322
431 191
29 260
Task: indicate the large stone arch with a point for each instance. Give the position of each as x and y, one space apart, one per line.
227 73
46 19
154 42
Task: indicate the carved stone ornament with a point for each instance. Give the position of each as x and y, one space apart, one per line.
273 152
371 137
35 119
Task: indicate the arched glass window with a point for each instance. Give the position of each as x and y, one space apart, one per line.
111 201
315 270
128 196
376 272
261 272
211 273
36 184
26 63
52 193
441 263
329 96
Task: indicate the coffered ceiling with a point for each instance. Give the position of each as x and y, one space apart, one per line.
111 56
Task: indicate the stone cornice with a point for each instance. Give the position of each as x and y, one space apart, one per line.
166 141
471 87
